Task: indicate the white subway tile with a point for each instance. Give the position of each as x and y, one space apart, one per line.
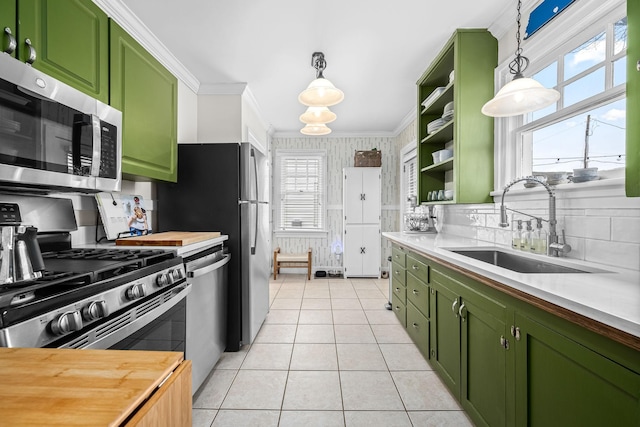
588 227
625 229
625 255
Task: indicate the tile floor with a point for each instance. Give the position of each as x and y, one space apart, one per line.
329 354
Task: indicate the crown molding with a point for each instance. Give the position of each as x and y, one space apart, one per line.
507 19
409 118
334 135
222 88
122 15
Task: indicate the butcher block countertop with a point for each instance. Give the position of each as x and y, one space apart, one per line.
65 387
168 238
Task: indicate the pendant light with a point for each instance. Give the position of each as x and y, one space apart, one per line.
521 95
320 129
318 115
320 92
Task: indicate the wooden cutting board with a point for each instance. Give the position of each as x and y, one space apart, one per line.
168 238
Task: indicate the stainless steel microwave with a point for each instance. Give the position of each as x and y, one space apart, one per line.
54 136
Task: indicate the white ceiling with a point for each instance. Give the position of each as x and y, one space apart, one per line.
375 50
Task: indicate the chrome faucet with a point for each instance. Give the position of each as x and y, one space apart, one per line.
554 248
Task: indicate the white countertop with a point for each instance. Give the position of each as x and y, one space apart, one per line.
611 297
183 251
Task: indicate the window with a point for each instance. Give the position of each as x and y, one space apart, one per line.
409 179
300 188
583 55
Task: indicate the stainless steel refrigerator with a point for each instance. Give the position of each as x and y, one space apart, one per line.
225 187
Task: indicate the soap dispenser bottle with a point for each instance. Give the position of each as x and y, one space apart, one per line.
539 239
516 238
526 238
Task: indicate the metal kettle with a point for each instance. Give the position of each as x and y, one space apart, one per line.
20 257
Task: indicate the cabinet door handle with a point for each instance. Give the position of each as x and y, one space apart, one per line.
415 325
11 47
453 307
397 289
397 308
415 267
32 52
362 250
462 311
415 292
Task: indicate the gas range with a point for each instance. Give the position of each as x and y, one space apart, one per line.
83 288
82 297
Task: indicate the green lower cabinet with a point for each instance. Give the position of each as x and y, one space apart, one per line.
147 95
418 329
560 382
444 351
484 361
71 41
399 308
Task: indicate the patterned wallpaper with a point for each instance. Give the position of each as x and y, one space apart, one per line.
340 153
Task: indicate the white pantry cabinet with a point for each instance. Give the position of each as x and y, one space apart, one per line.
361 221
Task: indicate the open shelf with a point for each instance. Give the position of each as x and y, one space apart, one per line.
442 135
447 165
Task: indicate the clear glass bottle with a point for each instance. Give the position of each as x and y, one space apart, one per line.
539 239
516 237
525 244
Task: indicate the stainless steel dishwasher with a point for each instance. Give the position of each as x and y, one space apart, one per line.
206 311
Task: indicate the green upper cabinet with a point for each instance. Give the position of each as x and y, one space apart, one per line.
463 73
70 39
8 20
632 180
147 95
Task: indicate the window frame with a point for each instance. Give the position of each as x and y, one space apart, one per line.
565 32
279 154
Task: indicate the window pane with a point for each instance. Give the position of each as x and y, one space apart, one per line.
547 77
589 85
560 147
588 54
620 34
620 71
301 192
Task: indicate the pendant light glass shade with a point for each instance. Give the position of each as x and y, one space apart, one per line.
519 96
320 129
321 93
317 115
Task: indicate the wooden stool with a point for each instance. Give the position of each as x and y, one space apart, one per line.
281 260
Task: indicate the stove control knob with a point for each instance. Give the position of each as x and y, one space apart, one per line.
66 322
175 274
162 280
95 310
136 291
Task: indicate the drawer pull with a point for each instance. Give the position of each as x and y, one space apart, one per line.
397 308
415 325
453 307
415 292
415 267
397 289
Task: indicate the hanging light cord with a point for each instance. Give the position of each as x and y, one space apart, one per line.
318 62
520 63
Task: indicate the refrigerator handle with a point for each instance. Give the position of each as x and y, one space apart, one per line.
255 230
255 173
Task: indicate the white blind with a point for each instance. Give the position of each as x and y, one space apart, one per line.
411 179
302 186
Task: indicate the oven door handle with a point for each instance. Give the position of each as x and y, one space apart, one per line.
209 268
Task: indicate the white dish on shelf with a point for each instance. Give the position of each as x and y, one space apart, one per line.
433 96
433 126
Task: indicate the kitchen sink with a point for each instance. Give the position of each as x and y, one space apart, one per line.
519 263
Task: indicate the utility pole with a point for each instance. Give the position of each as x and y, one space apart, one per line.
587 132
